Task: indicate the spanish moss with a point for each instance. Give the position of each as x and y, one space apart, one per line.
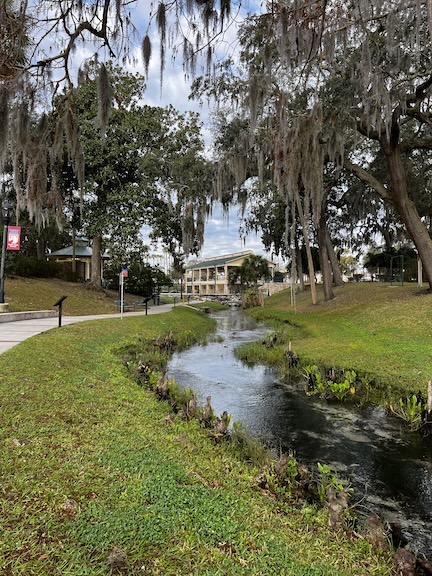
104 92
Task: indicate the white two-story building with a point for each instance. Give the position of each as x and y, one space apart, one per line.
210 277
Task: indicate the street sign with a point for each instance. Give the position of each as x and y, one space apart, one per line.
13 237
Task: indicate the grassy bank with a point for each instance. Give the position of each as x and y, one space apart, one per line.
40 294
382 332
97 478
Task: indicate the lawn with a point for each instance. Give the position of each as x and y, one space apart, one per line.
41 293
98 477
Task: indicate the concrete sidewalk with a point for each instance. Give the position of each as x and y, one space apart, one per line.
12 333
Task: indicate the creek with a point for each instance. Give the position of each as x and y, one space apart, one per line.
389 468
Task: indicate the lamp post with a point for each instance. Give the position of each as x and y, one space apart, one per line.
6 215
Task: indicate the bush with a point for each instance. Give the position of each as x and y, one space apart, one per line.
31 267
142 280
251 299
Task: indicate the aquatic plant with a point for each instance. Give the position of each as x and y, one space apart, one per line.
340 390
279 477
317 384
291 356
329 479
410 409
271 339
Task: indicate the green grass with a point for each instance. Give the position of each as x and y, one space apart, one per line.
378 330
90 461
40 294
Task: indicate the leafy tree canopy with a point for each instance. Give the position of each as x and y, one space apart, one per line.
143 279
148 169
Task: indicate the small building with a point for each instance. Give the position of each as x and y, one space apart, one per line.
210 277
83 255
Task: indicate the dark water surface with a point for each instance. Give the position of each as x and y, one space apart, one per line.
389 468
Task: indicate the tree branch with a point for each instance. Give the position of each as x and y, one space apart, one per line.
366 178
86 26
418 115
365 131
418 144
420 93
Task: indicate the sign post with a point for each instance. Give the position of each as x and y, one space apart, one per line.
123 275
59 303
11 241
2 266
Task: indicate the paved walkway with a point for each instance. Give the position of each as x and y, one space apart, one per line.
12 333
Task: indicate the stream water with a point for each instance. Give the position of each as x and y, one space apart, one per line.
389 468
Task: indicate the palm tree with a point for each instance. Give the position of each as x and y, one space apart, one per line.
252 269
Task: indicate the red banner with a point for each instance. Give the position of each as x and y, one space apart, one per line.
13 237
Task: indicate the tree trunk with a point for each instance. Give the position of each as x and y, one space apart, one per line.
299 266
96 263
311 268
73 251
324 258
418 233
334 262
398 196
40 248
387 239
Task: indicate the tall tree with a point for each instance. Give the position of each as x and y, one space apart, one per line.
137 174
341 78
177 205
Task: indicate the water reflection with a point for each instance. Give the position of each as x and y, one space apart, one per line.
390 469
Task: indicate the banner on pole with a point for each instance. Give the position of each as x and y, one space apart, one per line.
13 237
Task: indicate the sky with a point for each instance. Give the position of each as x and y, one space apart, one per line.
221 232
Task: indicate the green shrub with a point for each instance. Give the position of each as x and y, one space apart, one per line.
31 267
252 299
